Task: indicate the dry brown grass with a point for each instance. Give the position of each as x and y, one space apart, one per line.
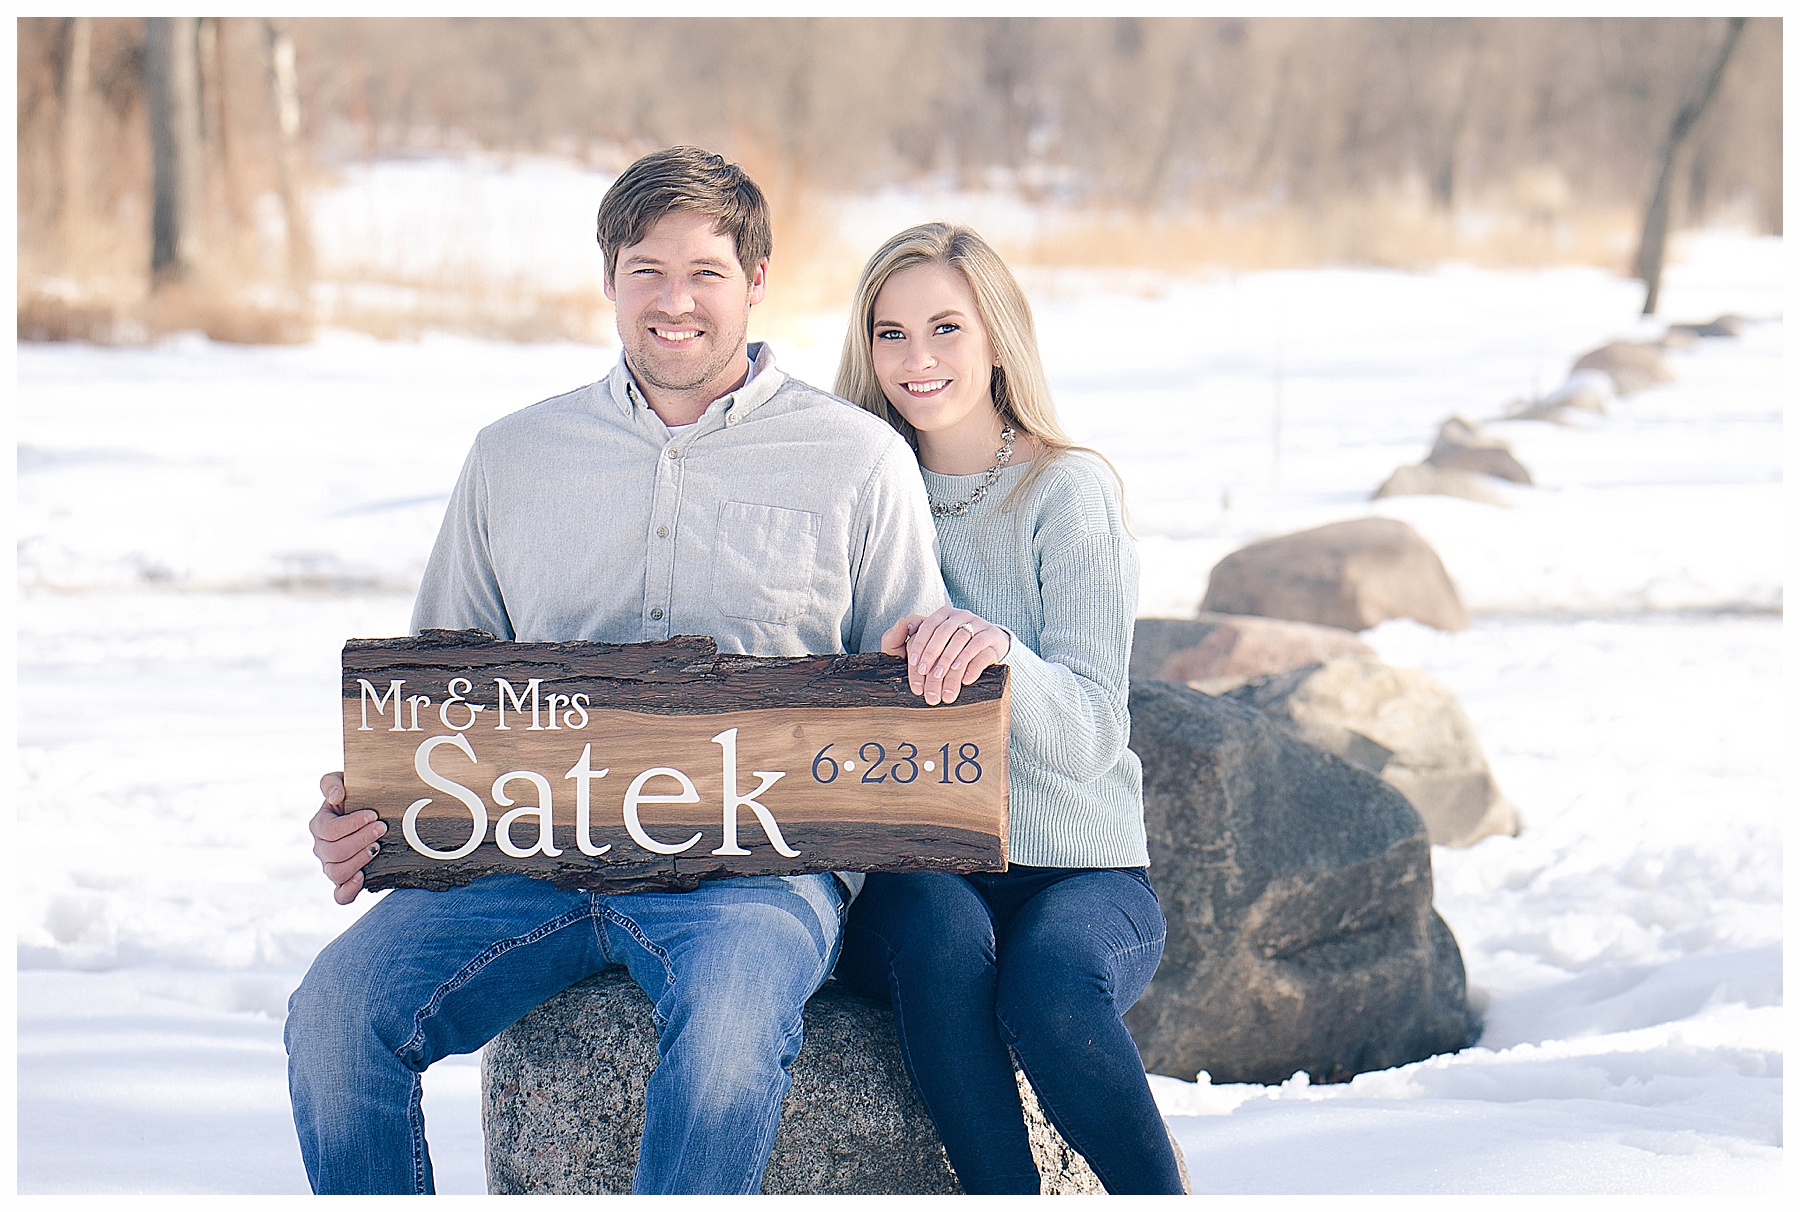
224 314
49 311
94 285
406 310
237 297
1388 234
46 317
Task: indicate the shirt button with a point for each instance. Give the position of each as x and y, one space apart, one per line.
656 612
731 418
662 532
673 453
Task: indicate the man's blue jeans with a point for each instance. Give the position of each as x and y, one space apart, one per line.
1037 962
424 975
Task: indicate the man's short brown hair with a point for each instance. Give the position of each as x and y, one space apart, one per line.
690 179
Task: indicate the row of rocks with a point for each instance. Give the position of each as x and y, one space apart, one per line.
1465 460
1620 368
1586 391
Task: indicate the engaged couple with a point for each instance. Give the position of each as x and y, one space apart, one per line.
932 508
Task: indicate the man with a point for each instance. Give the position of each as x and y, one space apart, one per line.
696 490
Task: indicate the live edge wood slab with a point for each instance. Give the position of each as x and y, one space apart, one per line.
629 767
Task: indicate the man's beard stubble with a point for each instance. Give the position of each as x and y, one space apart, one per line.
645 360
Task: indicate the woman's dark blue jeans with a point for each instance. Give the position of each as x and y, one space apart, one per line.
1039 960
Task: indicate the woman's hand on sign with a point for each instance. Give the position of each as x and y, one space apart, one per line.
343 841
945 650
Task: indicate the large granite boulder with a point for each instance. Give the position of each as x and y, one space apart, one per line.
1633 367
1463 445
1351 575
1298 894
1237 645
1431 480
1401 724
563 1103
1154 641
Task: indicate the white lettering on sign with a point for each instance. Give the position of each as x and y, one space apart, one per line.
634 795
727 741
381 702
503 690
584 774
409 824
456 699
546 843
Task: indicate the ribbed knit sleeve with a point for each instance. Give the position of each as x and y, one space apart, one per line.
1069 698
1056 567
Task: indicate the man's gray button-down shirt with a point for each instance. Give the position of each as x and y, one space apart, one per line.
784 522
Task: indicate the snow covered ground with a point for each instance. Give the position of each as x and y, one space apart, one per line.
201 526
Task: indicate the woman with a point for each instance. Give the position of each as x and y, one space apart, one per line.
1043 958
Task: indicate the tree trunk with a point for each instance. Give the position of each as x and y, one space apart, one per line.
214 124
1654 241
76 84
284 93
172 87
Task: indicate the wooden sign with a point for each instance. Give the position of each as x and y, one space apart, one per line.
621 767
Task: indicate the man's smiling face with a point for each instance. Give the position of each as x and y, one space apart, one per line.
683 306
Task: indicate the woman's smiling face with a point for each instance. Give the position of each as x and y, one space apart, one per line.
932 355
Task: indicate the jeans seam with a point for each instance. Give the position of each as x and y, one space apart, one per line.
597 916
662 957
415 1118
830 958
468 971
772 1123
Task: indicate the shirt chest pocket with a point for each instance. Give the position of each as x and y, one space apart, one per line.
765 562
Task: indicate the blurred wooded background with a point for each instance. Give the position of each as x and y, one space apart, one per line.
1159 143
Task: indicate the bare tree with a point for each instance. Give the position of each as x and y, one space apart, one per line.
172 87
219 171
284 95
76 80
1654 240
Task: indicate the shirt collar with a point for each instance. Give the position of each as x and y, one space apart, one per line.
757 390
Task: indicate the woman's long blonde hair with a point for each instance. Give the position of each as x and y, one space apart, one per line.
1020 392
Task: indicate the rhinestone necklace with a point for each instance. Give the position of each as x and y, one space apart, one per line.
1002 457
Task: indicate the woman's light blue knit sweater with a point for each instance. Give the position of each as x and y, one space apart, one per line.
1057 569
